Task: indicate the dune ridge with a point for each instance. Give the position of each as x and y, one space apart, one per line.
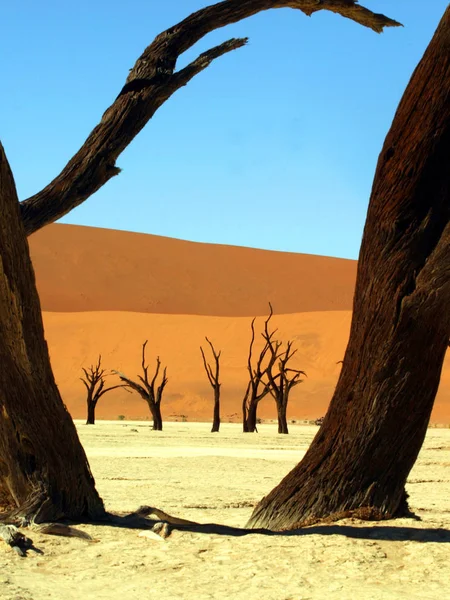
88 269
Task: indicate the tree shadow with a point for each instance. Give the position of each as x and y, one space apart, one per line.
164 524
375 532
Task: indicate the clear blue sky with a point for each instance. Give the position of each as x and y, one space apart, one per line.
273 146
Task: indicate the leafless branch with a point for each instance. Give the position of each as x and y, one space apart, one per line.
151 394
150 83
94 380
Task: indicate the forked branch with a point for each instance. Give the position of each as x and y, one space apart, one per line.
280 384
258 386
94 380
149 391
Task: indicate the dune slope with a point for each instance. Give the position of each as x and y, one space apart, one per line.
89 269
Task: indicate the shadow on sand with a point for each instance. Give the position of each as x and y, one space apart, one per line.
375 532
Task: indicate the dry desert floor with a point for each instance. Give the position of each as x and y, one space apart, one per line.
191 473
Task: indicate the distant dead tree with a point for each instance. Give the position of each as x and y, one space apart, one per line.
213 376
94 379
148 390
257 387
280 384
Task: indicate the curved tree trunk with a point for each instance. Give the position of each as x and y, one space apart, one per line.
44 473
43 468
359 460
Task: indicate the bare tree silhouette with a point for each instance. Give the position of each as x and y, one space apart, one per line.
94 380
148 390
213 377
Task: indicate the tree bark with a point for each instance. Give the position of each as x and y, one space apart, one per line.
282 418
157 417
250 421
44 473
213 378
90 413
216 416
372 433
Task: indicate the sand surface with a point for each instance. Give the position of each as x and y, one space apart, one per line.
188 472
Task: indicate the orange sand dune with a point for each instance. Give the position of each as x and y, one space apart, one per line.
107 291
76 339
89 269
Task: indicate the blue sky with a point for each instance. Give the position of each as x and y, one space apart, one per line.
273 146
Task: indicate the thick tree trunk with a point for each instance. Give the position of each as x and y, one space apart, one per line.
157 418
359 460
90 413
44 473
216 416
250 422
282 419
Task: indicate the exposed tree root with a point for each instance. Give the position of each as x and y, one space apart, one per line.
164 524
17 540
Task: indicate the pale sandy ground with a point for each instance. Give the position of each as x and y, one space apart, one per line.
191 473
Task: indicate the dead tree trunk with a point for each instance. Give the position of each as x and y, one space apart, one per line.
44 473
280 385
282 418
157 418
213 377
251 421
90 412
257 387
360 459
148 390
43 469
94 380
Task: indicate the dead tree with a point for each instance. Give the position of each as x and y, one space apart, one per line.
94 380
280 385
149 391
372 433
258 386
44 472
213 377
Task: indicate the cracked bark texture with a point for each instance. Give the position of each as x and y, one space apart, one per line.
44 473
372 433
